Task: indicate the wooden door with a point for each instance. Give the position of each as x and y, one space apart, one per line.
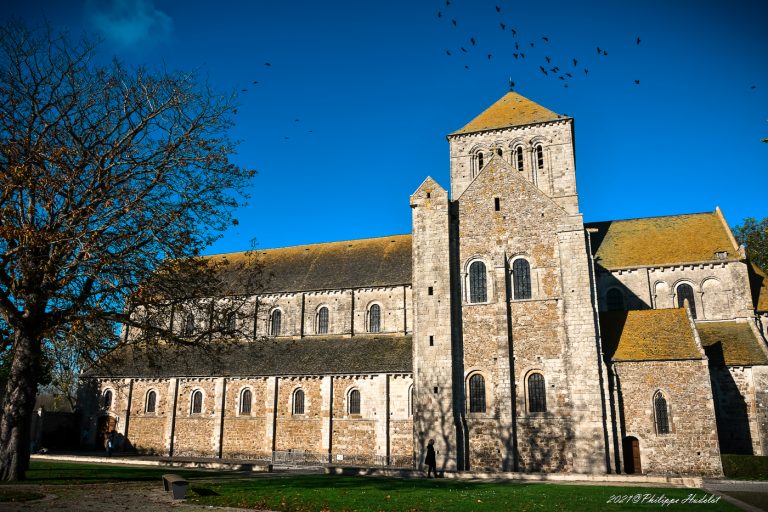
632 463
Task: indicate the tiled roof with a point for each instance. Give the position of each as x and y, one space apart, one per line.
511 110
661 240
758 281
306 356
648 335
730 343
329 266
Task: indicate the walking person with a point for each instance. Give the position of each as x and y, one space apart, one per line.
111 439
430 459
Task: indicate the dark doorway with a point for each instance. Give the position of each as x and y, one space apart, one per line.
632 456
105 425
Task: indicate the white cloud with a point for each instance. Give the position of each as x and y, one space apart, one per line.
129 22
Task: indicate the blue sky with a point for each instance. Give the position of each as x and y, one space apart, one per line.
352 112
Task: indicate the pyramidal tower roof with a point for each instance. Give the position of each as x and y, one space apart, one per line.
511 110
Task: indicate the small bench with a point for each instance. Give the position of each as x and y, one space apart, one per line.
176 484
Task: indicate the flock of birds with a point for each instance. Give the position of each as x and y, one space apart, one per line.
550 69
256 83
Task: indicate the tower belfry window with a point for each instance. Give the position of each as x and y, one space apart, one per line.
499 152
519 158
539 157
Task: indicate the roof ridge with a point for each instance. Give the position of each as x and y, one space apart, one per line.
647 218
257 250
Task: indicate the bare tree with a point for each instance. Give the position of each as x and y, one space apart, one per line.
105 174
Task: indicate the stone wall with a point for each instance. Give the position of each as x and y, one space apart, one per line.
736 409
384 427
721 290
691 447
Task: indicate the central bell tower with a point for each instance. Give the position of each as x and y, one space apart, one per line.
507 374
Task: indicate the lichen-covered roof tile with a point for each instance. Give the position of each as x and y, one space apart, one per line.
511 110
327 355
758 282
648 335
731 343
660 241
369 262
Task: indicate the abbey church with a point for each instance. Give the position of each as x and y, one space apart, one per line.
516 336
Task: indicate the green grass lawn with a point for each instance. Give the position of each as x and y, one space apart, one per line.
70 473
337 493
289 492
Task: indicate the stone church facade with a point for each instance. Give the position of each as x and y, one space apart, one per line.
516 336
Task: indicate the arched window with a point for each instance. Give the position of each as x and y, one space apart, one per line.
151 402
477 286
662 414
479 161
197 402
685 292
107 400
189 325
298 402
322 320
499 152
476 393
354 402
615 300
245 401
230 324
537 393
519 158
539 157
521 279
274 322
374 318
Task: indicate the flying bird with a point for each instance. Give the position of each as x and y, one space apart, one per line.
522 54
454 22
546 39
489 56
561 77
511 84
586 71
503 26
569 75
514 32
575 62
448 52
244 90
753 87
548 59
599 51
439 14
255 82
447 2
637 82
463 49
638 40
466 67
543 70
498 9
268 64
605 52
473 41
531 45
514 55
517 45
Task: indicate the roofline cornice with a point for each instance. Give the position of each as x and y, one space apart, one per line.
553 121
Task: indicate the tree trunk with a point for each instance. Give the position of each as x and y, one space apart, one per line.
18 404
